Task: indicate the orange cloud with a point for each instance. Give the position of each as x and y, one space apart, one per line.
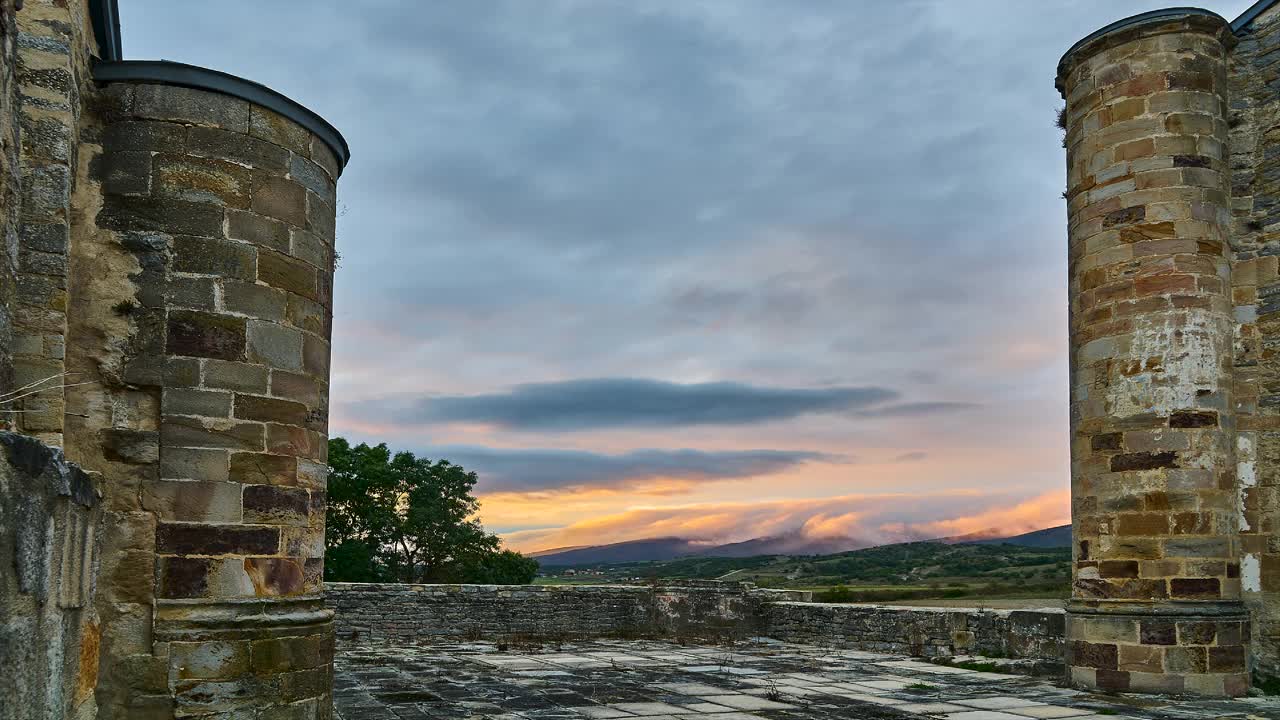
867 519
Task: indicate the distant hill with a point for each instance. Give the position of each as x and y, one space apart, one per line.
623 552
671 548
1054 537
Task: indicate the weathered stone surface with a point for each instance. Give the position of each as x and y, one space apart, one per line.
266 409
210 539
276 505
189 401
286 273
237 376
208 335
274 345
211 256
263 469
188 105
280 198
261 231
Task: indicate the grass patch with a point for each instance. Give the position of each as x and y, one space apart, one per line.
919 687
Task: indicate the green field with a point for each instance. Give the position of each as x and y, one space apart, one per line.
908 571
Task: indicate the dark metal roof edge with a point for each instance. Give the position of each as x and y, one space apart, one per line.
1251 14
1135 19
105 15
167 72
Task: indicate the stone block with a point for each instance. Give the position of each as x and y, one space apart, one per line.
1229 659
209 659
263 469
279 198
279 655
261 231
238 148
193 501
190 401
321 218
1158 632
1141 658
295 386
256 301
296 441
287 273
276 505
313 475
190 432
313 177
189 292
188 105
192 464
266 409
308 247
148 135
1192 659
127 173
274 345
307 315
212 256
315 356
167 215
275 128
1195 588
275 577
324 157
239 376
209 539
209 335
203 180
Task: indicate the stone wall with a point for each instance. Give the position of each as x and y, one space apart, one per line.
200 282
389 613
1255 240
49 511
922 631
423 613
1156 592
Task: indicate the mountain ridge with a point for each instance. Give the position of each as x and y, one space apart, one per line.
671 548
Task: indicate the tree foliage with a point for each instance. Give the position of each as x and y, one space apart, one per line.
401 518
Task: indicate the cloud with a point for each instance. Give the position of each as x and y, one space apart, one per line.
915 456
535 470
632 402
869 519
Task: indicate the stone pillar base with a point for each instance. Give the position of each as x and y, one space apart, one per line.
235 656
1194 647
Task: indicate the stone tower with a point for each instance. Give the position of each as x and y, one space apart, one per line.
1173 224
169 294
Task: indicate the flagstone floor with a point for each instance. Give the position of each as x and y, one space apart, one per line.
612 680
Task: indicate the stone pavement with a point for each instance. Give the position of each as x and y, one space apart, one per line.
762 680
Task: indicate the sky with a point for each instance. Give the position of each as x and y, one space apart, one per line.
710 269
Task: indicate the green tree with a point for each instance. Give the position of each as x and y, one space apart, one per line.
407 519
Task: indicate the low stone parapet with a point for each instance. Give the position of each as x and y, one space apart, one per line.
929 632
423 613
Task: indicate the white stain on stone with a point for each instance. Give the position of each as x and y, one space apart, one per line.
1250 573
1174 357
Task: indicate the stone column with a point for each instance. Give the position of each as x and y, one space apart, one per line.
203 304
1156 594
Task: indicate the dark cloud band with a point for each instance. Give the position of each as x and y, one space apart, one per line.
628 402
541 470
